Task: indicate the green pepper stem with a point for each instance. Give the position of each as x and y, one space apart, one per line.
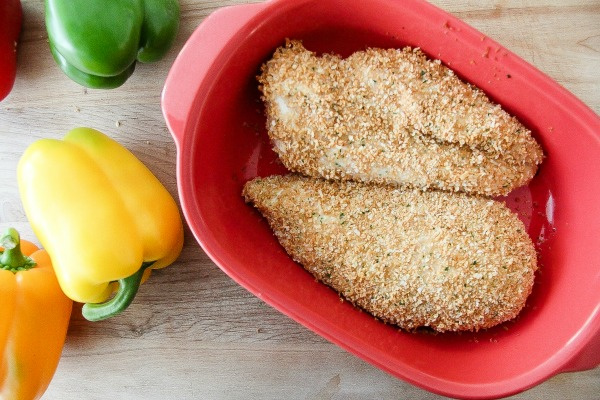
12 258
128 288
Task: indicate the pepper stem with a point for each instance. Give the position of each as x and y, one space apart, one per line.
12 258
128 288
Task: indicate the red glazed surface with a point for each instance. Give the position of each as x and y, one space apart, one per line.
212 106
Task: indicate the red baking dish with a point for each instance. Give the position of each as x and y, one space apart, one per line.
213 109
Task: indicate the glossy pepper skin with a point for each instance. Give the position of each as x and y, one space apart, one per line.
11 19
98 42
34 317
103 217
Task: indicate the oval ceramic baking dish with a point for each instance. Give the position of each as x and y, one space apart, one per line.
212 107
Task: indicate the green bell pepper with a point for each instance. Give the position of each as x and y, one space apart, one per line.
98 42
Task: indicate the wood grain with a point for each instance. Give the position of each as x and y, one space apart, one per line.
192 333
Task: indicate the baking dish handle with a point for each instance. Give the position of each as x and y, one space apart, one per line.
195 59
587 358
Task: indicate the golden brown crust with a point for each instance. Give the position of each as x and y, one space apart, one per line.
392 117
411 258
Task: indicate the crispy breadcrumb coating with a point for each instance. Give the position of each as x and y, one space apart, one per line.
393 117
451 262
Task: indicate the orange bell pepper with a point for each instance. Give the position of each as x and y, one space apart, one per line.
34 317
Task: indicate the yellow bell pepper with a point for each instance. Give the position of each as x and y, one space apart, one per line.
103 217
34 317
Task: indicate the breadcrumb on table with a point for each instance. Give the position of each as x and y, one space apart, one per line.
411 258
392 116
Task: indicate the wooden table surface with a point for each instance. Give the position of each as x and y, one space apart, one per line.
192 333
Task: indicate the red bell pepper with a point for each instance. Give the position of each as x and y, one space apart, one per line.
11 19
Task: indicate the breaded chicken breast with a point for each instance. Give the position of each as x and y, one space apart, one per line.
411 258
394 117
